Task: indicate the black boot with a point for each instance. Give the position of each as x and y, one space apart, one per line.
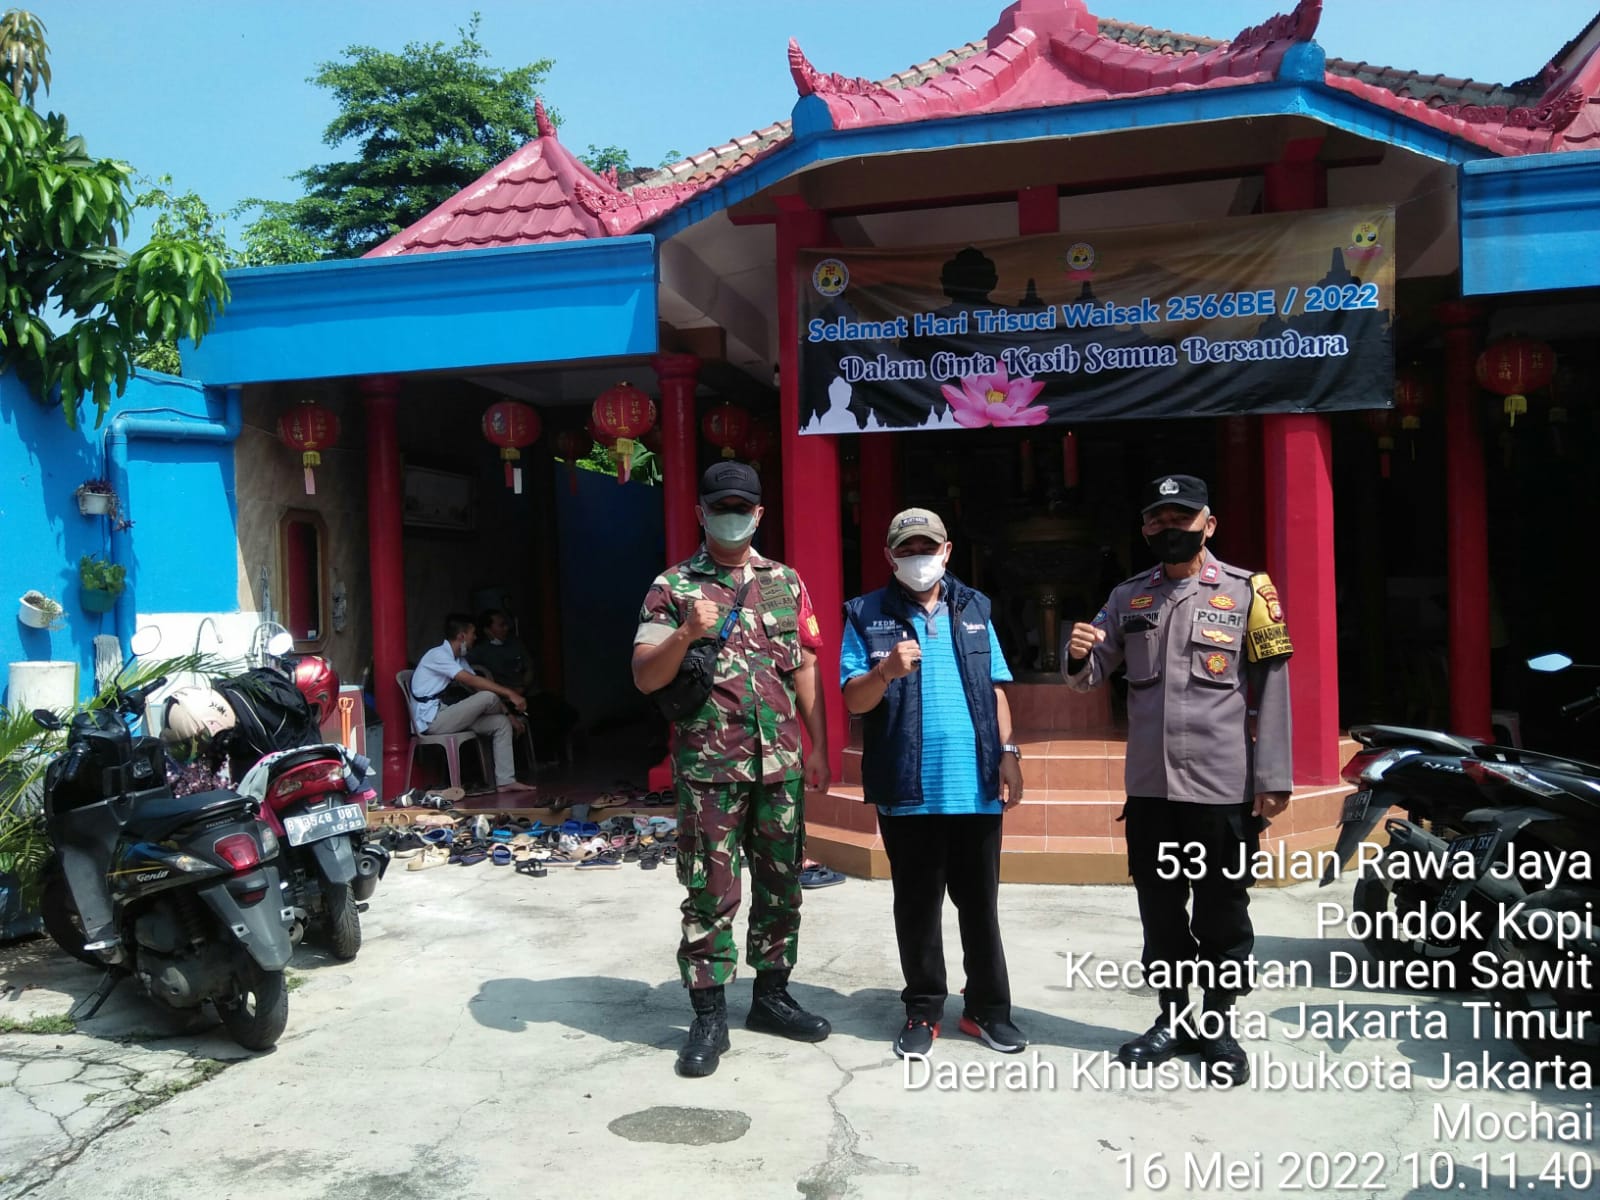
708 1036
1225 1059
1166 1039
773 1010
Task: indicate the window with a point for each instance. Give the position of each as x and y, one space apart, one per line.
303 559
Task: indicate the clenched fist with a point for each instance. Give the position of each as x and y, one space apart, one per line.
905 658
704 616
1083 638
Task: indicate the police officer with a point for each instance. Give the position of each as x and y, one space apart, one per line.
737 760
1208 761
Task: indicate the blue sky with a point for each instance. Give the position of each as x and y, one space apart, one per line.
214 92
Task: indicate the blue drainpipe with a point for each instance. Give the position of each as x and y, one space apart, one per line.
178 427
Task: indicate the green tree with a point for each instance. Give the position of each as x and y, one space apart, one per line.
23 54
61 216
599 158
425 122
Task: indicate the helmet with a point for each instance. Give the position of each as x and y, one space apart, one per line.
318 682
193 717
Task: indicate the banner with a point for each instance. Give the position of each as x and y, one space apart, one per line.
1288 312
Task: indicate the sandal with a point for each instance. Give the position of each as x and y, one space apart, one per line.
429 856
500 856
601 862
531 867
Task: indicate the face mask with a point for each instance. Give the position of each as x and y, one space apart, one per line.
730 528
1175 546
919 572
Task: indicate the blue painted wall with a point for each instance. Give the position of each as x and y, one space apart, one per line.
182 547
612 546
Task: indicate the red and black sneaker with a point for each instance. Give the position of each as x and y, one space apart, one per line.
916 1038
997 1033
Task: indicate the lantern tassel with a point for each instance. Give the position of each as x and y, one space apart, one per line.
311 482
624 458
1516 406
1069 460
516 481
511 475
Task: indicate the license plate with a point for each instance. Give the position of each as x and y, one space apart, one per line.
1355 807
313 827
1479 845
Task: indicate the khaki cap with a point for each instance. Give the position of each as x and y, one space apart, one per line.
916 522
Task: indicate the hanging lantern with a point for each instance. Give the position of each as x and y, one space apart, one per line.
309 428
725 425
573 444
1381 422
607 440
1412 393
511 425
1514 366
759 442
1069 460
625 413
850 479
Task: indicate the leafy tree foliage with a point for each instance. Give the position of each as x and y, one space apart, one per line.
23 54
425 122
61 215
599 158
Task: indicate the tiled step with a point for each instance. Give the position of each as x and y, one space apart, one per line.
1088 759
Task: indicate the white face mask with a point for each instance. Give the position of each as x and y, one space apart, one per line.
919 572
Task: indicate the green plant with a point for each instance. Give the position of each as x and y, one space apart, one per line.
98 575
55 1024
43 603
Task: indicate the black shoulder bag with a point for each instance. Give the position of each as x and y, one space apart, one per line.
688 692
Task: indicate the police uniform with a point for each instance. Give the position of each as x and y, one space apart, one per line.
1208 729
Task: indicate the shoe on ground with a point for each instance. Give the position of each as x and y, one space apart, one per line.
819 876
1156 1045
995 1033
774 1010
915 1037
708 1035
1226 1061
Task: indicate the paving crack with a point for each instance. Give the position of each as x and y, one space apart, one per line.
832 1178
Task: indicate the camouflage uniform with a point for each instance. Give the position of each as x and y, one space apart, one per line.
738 764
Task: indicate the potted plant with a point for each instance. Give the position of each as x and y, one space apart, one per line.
38 611
102 582
96 498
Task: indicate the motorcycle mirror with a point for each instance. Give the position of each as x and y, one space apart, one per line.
45 719
145 640
280 644
1550 663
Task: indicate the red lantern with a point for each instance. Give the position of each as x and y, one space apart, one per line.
573 444
309 429
511 425
596 435
1412 393
625 413
759 442
1381 422
725 425
1514 366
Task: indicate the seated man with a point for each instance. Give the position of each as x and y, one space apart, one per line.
447 697
508 661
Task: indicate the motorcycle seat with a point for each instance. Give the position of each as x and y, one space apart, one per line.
162 816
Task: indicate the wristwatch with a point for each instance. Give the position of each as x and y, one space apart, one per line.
1008 748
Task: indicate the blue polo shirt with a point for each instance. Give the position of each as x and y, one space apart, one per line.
949 747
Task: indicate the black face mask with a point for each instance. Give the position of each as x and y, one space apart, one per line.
1174 546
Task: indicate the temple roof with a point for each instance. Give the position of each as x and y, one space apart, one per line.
1040 54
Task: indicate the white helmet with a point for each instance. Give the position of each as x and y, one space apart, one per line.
195 716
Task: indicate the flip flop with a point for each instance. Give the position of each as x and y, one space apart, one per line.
601 862
430 856
438 836
469 858
500 856
820 876
531 867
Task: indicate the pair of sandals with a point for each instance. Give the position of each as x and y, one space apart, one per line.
442 799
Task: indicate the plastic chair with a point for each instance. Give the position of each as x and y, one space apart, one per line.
450 742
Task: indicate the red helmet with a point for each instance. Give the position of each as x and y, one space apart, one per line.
318 682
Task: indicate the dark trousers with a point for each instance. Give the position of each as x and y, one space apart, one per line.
1220 928
929 855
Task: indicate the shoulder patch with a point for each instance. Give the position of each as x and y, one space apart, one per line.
1100 617
1266 637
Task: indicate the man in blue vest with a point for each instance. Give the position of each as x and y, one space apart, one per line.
921 663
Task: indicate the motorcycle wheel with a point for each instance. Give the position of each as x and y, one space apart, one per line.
61 922
259 1010
1376 896
344 921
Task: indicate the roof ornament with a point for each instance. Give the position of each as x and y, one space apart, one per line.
812 82
1297 26
542 119
1553 112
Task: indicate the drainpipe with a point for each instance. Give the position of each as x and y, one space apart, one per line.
178 427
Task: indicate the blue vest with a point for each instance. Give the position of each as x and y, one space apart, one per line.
891 753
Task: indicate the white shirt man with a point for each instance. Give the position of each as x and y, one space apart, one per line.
481 711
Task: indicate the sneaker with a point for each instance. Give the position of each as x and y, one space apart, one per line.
916 1038
997 1033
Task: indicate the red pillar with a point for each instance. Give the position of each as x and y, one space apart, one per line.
1297 450
386 559
880 500
811 532
1236 492
1467 516
679 375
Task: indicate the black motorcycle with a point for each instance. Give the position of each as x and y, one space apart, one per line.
178 893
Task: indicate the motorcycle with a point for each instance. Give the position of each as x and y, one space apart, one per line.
179 893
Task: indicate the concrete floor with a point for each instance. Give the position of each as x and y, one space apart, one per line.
506 1036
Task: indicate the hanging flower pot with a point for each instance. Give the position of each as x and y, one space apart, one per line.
37 611
101 582
96 498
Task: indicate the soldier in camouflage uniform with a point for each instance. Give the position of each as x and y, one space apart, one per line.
738 760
